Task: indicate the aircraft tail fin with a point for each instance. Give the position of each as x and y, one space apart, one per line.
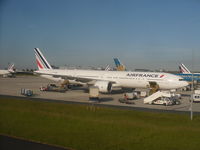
183 69
107 68
119 65
42 63
11 67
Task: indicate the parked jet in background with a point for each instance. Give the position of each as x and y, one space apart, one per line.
108 68
105 80
119 65
9 71
184 69
187 75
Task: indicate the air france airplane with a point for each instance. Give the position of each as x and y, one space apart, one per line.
187 75
9 71
105 80
184 69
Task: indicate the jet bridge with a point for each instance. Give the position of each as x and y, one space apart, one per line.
158 94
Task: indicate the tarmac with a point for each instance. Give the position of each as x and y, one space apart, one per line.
13 86
11 143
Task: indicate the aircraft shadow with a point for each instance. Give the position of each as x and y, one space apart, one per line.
102 99
186 95
117 92
105 99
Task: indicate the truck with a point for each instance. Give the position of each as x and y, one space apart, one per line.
167 101
93 93
128 97
197 92
131 95
163 101
26 92
195 97
53 88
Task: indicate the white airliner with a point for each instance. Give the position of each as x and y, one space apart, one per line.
105 80
183 69
9 71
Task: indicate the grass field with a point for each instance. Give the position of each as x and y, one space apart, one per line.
84 127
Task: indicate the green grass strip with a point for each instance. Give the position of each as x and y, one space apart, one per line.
84 127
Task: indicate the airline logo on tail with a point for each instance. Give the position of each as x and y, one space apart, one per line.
119 65
42 63
184 69
11 67
107 68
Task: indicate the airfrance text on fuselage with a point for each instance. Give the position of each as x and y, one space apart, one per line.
144 75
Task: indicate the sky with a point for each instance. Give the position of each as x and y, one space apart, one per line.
141 33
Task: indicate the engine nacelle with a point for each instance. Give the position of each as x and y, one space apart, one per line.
104 86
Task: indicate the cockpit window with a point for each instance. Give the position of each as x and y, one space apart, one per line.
181 79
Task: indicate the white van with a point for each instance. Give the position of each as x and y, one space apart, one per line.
196 97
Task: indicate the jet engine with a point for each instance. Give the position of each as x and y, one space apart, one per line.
104 86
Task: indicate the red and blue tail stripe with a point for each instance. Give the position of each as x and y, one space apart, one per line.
41 61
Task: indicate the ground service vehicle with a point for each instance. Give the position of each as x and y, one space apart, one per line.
94 93
26 92
53 88
196 97
163 101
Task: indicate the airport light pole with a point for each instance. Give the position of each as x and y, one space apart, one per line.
191 99
192 88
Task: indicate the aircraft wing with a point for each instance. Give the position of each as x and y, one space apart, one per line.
90 79
78 79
